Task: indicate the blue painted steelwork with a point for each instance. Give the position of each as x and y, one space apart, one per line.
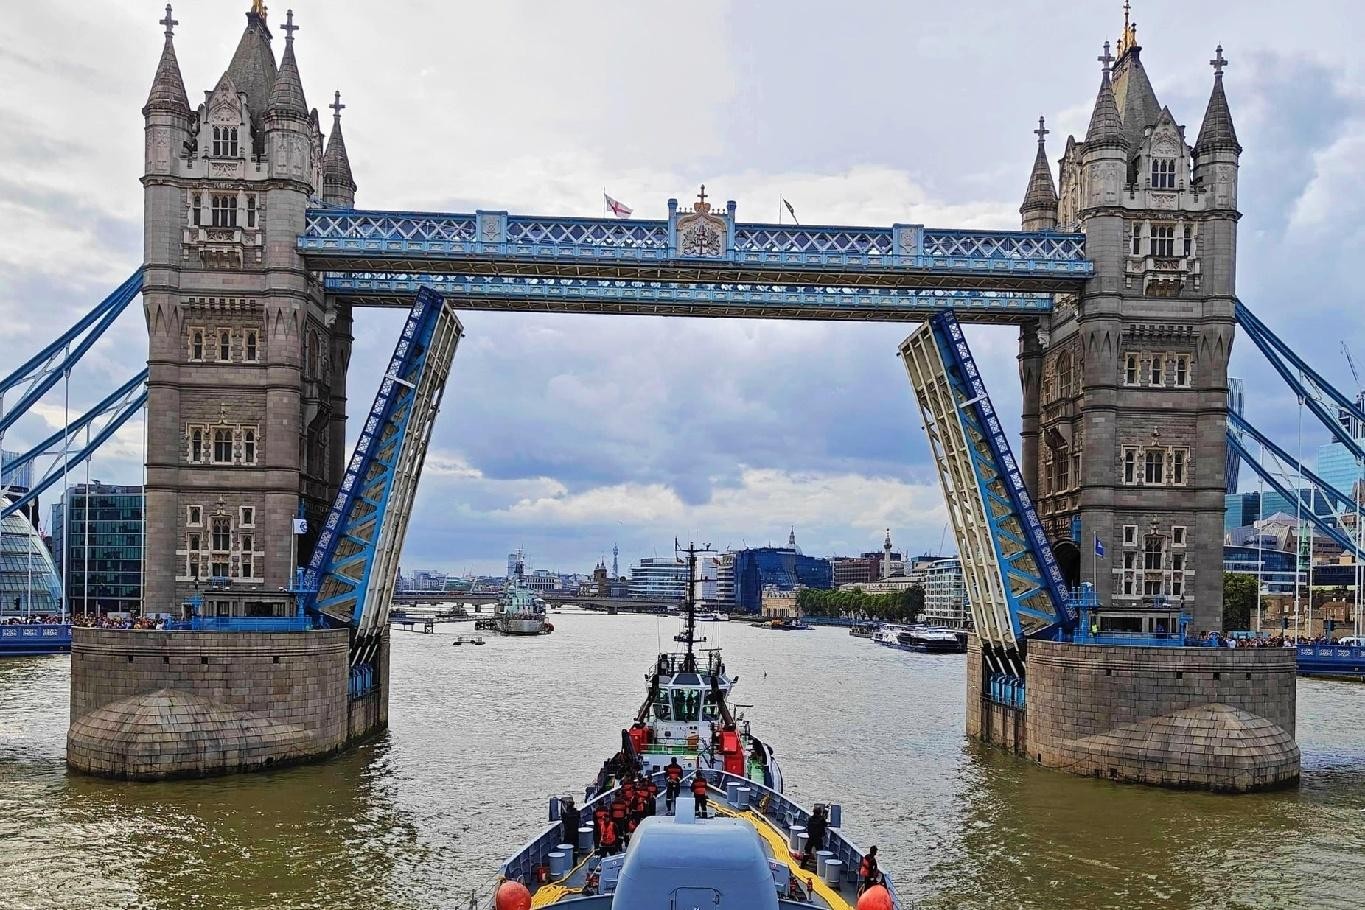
45 368
30 639
377 234
120 407
1006 689
1033 583
1282 358
1309 515
724 299
339 576
1331 660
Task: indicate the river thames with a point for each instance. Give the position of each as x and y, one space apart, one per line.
481 736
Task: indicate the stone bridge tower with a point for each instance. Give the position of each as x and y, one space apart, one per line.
247 358
1125 385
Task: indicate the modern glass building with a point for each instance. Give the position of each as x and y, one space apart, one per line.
1276 568
1339 467
28 579
945 594
1236 401
659 577
1273 502
21 476
111 580
1240 510
782 567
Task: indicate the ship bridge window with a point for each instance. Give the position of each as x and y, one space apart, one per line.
661 711
686 704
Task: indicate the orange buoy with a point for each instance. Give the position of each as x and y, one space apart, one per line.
514 896
874 898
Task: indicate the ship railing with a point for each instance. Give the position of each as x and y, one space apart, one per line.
785 815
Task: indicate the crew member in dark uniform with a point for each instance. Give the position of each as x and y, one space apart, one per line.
815 829
570 818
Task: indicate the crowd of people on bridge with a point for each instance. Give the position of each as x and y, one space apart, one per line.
33 619
119 621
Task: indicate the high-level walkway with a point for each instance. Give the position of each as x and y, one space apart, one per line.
695 263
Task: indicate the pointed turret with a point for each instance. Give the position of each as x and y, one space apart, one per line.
253 69
1133 92
338 186
1040 198
1106 127
168 88
286 96
1217 132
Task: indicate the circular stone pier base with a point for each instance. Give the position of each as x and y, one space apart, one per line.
1197 718
154 705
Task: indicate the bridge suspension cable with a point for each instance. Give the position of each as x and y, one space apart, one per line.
43 369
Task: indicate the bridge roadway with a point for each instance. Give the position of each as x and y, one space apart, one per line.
697 263
623 604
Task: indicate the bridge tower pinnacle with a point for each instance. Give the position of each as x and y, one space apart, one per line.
1125 384
247 359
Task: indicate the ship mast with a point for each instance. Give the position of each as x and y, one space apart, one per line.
690 605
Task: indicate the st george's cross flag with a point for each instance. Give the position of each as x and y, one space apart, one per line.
618 208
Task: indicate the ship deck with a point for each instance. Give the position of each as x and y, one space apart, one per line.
772 818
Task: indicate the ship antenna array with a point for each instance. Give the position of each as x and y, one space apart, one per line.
690 602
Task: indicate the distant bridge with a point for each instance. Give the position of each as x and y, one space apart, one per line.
623 604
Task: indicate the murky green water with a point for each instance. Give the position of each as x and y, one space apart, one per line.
482 736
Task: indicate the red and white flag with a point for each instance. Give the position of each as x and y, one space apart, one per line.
619 209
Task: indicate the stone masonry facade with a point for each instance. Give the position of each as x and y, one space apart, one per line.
1201 718
1125 385
247 358
148 705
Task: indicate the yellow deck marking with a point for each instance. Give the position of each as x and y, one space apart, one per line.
782 854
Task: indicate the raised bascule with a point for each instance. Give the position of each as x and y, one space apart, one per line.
274 554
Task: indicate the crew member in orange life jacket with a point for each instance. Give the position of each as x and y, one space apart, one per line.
601 821
868 873
699 792
673 783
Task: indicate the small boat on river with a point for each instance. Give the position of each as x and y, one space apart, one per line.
690 813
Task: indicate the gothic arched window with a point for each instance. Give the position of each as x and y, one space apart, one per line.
197 345
224 345
251 350
225 141
222 446
224 211
222 535
196 446
249 446
1163 173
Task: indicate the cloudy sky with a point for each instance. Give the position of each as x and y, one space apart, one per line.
564 434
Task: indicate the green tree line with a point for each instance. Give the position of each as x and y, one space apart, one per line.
905 606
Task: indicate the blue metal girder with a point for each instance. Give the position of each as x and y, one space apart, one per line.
338 574
1033 582
533 237
722 299
111 402
121 415
496 244
1277 352
1238 424
92 326
1317 521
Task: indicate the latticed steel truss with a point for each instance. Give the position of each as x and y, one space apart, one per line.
662 298
759 270
349 580
1014 584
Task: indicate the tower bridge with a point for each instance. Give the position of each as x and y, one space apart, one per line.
1121 283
